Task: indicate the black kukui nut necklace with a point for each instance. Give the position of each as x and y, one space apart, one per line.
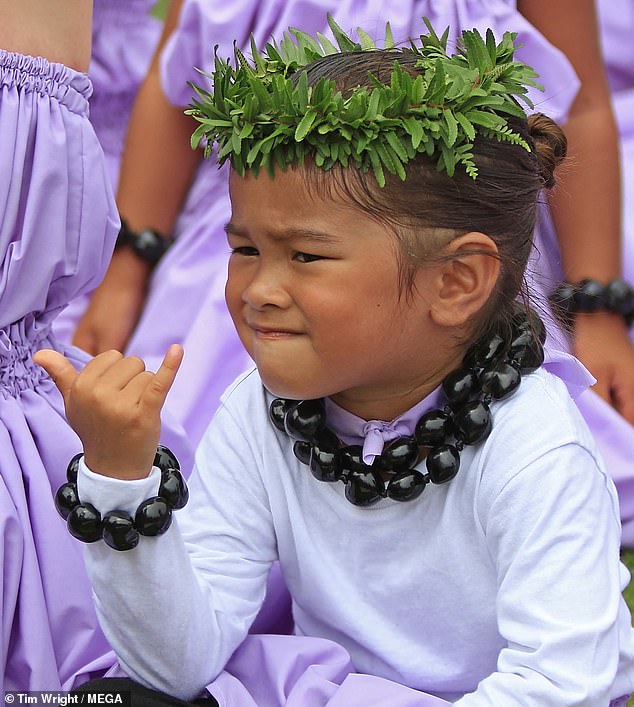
490 370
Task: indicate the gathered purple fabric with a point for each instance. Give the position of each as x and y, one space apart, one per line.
58 223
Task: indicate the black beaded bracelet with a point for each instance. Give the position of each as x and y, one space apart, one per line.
592 296
119 529
148 244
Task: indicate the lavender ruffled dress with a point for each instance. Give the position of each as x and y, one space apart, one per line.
58 223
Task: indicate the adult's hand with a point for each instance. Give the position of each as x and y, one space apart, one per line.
115 306
602 343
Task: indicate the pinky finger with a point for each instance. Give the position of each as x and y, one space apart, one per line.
159 385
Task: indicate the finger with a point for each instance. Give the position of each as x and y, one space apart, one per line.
97 366
157 389
122 372
60 369
133 392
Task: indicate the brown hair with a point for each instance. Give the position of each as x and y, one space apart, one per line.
501 202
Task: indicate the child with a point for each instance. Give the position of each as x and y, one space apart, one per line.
360 295
58 222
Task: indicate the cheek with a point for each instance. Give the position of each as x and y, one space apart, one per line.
233 294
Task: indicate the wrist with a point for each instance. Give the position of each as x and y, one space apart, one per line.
115 470
613 299
148 244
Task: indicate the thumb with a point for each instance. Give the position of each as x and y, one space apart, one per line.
58 368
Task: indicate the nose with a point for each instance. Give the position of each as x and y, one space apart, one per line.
266 287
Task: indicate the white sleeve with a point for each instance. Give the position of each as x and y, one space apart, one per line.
176 607
553 535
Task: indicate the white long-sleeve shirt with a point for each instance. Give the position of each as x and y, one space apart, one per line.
502 587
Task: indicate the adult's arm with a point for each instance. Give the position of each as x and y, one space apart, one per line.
586 203
58 30
157 168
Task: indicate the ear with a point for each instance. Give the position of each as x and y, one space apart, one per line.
464 281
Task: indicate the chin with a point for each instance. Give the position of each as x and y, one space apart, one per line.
290 389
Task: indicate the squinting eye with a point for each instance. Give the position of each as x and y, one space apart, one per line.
244 250
307 257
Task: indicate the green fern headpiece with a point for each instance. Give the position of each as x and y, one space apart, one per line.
266 115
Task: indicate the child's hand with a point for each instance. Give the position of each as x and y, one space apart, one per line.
114 406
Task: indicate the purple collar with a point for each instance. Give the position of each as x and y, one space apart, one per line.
373 434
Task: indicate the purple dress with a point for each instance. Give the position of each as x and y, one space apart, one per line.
58 222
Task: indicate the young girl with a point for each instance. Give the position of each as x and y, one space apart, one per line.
141 310
381 312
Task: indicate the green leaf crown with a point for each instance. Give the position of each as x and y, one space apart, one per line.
266 114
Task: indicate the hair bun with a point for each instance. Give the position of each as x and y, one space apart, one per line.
550 145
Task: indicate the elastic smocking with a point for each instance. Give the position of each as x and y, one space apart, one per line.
36 74
18 372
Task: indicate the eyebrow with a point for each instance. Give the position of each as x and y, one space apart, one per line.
288 233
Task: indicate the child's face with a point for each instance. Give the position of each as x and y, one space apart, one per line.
313 290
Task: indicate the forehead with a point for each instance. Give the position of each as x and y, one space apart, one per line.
288 199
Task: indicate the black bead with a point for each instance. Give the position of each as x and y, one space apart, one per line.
619 297
277 412
165 458
590 296
325 465
522 337
473 421
73 468
433 428
174 489
530 321
364 488
66 499
306 419
528 358
443 463
563 298
400 453
153 516
459 384
406 485
119 531
302 451
324 460
350 459
499 380
84 523
483 352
